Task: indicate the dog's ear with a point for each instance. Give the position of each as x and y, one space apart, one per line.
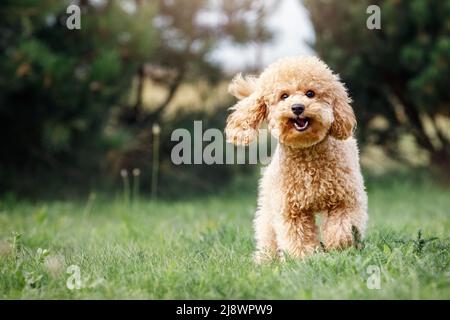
241 87
247 114
344 118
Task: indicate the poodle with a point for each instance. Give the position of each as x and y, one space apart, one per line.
315 168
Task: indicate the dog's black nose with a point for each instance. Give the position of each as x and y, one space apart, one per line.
298 109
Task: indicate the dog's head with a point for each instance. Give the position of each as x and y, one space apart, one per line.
301 100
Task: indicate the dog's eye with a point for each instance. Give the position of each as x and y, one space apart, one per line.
310 93
284 96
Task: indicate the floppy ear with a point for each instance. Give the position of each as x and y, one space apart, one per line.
241 87
247 115
344 119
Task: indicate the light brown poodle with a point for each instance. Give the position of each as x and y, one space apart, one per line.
315 168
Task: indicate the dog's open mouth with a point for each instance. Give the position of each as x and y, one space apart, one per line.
300 124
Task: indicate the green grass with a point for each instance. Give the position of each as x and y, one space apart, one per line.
202 249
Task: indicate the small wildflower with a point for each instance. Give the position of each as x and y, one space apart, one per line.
136 172
124 173
156 129
41 254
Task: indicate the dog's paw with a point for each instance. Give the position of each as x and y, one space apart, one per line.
338 241
261 257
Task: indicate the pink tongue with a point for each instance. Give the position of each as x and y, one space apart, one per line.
301 122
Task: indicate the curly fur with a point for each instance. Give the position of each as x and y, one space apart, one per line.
312 172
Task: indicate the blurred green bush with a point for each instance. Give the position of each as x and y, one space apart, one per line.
71 101
398 75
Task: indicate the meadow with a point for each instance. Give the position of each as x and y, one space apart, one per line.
201 248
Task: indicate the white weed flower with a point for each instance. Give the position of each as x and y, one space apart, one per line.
156 129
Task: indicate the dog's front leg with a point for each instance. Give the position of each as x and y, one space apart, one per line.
343 226
296 235
266 246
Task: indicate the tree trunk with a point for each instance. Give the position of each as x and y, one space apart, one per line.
418 130
439 157
173 87
440 165
172 90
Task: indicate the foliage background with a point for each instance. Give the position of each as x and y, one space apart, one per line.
79 105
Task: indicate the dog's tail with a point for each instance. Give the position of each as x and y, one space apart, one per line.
241 87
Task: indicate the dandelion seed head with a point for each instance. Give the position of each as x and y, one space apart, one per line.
156 129
54 265
124 173
5 249
136 172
